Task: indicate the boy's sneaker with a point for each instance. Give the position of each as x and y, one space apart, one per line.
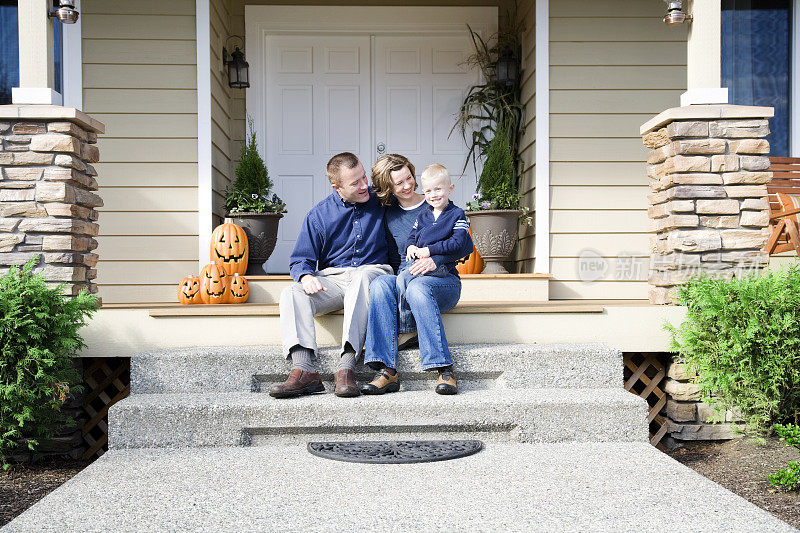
384 382
447 382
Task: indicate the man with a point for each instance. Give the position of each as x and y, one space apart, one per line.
341 248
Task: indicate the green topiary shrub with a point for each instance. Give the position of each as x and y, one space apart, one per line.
742 337
38 338
788 478
250 192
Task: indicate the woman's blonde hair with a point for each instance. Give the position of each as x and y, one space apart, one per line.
382 176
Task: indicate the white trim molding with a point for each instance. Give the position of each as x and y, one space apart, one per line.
708 96
541 263
72 62
204 184
35 95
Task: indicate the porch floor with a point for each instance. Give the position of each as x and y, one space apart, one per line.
610 486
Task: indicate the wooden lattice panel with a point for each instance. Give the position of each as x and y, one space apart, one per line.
644 374
107 381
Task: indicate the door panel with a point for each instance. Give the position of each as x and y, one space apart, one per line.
317 105
420 83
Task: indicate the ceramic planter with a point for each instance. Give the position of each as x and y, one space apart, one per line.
494 234
262 234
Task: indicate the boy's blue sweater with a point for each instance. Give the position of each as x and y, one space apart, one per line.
446 235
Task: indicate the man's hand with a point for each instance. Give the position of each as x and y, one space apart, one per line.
423 252
311 284
422 266
411 253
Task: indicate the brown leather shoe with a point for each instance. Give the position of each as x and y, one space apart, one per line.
344 384
299 382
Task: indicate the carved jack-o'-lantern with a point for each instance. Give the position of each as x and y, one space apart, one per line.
239 288
214 284
229 248
189 290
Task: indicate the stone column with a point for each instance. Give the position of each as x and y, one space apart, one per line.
688 417
708 169
46 192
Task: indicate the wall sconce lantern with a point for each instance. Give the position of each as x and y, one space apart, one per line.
507 69
65 12
675 14
238 68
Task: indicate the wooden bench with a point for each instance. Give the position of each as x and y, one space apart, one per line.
784 205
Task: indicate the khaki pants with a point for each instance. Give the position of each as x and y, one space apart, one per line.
348 289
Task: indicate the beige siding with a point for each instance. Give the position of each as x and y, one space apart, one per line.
524 253
221 105
608 75
139 79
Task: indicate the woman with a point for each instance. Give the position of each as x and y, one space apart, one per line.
394 310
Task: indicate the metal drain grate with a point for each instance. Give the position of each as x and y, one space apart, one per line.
395 451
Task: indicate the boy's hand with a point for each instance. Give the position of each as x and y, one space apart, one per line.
411 253
423 252
422 266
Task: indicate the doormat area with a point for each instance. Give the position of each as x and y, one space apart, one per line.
395 451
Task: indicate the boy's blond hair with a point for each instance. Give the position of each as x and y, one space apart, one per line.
435 171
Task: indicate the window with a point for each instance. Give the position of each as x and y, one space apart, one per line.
757 61
9 51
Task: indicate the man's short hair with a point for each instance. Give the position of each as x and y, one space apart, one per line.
435 171
334 168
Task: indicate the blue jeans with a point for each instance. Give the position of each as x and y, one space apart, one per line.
425 298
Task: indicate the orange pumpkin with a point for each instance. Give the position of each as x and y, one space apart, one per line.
472 264
189 290
214 284
229 248
239 288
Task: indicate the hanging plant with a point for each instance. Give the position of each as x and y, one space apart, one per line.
493 106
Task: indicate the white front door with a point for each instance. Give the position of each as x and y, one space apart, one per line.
318 105
327 88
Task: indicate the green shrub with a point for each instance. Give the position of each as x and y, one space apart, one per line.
250 192
789 478
38 337
742 337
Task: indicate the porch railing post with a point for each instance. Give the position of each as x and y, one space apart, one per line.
707 169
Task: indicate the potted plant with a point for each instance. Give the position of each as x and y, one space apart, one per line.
494 212
250 204
490 121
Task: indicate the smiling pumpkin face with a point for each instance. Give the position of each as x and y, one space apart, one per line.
239 288
214 284
229 248
189 290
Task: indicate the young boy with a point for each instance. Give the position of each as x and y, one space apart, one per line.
440 230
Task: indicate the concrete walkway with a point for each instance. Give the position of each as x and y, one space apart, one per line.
506 487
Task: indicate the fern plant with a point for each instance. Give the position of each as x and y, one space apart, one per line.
491 107
788 478
742 337
38 338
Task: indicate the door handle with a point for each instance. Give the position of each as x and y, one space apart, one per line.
381 148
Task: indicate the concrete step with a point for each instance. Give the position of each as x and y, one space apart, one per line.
515 415
506 487
504 366
474 287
